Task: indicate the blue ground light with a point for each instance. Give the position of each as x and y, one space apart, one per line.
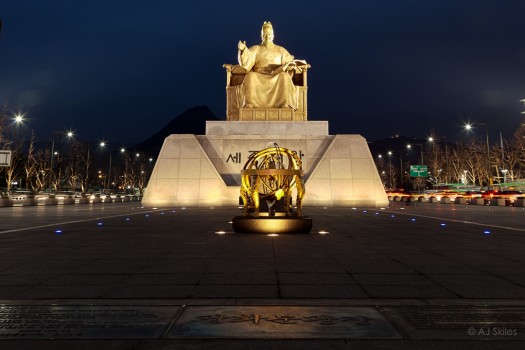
58 231
413 220
442 224
128 219
486 232
100 223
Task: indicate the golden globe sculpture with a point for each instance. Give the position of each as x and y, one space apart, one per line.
271 175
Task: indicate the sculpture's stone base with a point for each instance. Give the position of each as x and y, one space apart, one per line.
272 224
205 170
301 129
269 114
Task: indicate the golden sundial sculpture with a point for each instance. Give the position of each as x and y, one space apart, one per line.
271 174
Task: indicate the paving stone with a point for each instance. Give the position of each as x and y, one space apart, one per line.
315 278
408 291
392 279
162 279
63 292
85 280
470 280
176 256
486 291
149 291
23 279
321 291
235 291
239 278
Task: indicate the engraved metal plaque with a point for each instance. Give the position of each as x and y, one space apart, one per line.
83 322
460 322
284 322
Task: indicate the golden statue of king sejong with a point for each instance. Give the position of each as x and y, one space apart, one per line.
268 83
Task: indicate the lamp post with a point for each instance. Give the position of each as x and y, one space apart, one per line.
468 127
390 169
401 167
102 145
69 134
504 171
432 139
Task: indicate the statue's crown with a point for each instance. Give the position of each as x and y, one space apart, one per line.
267 24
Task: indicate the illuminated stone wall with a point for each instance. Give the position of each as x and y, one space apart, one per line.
204 170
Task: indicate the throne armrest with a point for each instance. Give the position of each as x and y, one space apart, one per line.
234 74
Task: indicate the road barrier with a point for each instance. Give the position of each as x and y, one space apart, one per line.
34 200
445 200
498 201
6 202
520 202
494 201
460 200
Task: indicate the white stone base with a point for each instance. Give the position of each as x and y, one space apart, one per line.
204 170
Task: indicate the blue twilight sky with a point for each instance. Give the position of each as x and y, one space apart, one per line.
121 70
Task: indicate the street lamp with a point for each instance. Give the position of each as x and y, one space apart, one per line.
434 138
69 134
504 171
468 127
390 169
102 145
19 118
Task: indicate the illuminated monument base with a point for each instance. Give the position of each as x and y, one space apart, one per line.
204 170
275 224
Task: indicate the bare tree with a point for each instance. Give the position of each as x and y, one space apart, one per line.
42 160
30 164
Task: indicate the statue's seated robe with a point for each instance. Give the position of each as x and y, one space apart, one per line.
260 83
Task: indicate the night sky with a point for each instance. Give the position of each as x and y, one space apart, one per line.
121 70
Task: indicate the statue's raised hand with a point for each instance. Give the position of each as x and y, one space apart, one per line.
241 45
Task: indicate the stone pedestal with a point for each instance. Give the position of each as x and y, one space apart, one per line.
204 170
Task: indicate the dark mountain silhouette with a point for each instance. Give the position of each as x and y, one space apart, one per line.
191 121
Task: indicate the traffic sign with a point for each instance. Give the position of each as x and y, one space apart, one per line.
418 171
5 157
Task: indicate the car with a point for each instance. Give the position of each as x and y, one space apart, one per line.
488 195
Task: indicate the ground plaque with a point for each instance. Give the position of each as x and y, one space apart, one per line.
84 322
284 322
460 322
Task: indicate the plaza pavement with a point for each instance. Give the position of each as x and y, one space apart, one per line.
432 272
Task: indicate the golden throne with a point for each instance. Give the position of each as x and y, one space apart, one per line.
235 76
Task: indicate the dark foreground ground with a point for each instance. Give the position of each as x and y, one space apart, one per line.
118 276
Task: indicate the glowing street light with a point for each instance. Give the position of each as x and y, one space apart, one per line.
69 135
103 144
390 169
468 127
19 118
431 139
504 171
